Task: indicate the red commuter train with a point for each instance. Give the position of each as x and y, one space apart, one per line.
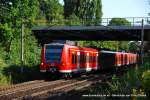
66 59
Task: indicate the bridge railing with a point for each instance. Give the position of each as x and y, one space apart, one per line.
133 21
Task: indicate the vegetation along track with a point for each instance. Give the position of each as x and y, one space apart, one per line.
49 88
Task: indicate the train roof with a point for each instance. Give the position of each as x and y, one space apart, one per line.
88 49
104 51
114 52
60 44
81 48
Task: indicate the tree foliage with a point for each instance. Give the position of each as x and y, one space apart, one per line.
20 12
119 22
73 20
14 13
111 45
122 45
87 10
51 9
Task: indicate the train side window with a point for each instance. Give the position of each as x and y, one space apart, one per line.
72 58
81 58
89 58
84 58
94 58
75 61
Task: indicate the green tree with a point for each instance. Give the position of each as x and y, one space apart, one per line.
100 44
21 11
122 45
5 35
87 10
11 24
26 12
134 46
73 20
51 11
119 22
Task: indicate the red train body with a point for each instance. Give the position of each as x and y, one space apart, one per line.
68 59
64 59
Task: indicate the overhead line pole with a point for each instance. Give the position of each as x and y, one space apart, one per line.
22 45
22 37
142 42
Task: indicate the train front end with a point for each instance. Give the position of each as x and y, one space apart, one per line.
51 58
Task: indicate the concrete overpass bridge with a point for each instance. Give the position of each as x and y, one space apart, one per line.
45 34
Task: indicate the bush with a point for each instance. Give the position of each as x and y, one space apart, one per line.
146 80
4 80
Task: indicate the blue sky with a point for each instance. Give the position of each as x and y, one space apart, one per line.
125 8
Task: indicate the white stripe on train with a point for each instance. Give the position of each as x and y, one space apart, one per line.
77 70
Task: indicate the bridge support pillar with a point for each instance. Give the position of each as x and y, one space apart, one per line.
149 41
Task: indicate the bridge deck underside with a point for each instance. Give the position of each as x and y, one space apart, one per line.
45 35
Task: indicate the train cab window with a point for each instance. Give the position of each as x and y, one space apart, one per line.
53 53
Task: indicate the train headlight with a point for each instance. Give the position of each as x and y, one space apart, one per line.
42 64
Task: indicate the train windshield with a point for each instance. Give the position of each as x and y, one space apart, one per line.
53 53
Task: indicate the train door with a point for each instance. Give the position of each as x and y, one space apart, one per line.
94 61
90 61
84 61
87 62
96 58
82 64
78 61
74 60
125 59
120 59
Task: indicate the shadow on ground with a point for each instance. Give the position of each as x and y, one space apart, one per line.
17 75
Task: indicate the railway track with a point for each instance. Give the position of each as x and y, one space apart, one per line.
39 89
20 85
